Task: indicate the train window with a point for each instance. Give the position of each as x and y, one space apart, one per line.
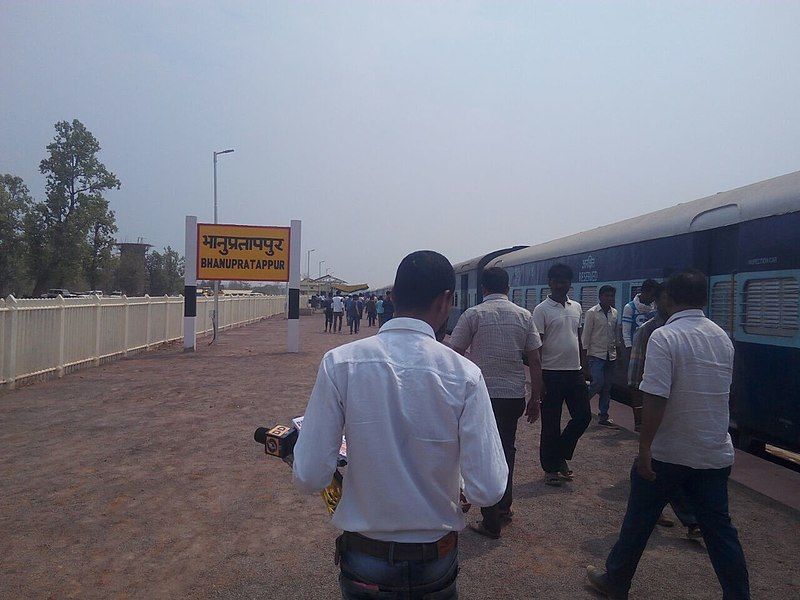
635 289
771 306
588 297
721 306
545 293
516 297
530 299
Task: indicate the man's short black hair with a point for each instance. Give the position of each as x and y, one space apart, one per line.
560 271
495 280
649 285
421 277
607 288
688 288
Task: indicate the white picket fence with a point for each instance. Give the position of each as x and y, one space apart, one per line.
49 337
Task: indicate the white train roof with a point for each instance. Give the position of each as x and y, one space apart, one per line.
775 196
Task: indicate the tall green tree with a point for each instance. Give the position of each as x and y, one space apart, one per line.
165 272
70 233
15 202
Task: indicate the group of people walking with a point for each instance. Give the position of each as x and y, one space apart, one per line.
379 309
440 423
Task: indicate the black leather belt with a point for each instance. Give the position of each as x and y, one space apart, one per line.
397 551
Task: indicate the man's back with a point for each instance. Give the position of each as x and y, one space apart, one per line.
690 361
499 334
414 413
338 304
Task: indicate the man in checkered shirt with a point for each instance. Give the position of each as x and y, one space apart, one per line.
499 334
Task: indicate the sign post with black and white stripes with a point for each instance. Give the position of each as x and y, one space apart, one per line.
227 252
190 287
293 323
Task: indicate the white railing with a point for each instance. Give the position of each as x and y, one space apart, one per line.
46 337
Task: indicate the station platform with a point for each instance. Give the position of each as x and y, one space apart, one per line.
140 479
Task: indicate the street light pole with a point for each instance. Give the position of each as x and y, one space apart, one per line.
308 262
215 320
320 267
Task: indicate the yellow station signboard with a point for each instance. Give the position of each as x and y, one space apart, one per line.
242 252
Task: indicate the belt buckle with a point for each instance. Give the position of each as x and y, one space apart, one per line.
446 544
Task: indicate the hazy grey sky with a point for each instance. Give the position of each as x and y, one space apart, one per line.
394 126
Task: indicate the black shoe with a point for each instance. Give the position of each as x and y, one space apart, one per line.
607 423
480 528
599 581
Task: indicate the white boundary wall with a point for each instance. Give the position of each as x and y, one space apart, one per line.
48 337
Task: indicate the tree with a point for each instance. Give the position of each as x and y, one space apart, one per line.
15 202
71 230
165 272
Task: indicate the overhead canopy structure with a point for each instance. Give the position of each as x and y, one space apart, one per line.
350 289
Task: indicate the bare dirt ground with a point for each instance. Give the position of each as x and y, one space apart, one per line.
140 479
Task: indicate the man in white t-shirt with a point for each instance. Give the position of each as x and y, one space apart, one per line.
684 442
338 311
557 319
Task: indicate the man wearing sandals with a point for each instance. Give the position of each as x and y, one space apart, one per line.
557 319
499 334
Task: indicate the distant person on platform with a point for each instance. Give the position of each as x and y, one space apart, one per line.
684 441
338 312
355 309
638 311
327 305
379 310
388 307
599 338
499 334
557 319
418 420
348 302
372 315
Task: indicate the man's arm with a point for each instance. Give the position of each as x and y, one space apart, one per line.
627 325
483 464
587 375
655 387
535 368
317 449
462 335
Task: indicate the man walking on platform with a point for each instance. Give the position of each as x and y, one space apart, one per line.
684 441
498 334
638 311
338 311
327 306
379 310
371 314
418 420
557 319
599 337
354 311
388 307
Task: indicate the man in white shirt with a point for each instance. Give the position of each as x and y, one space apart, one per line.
557 319
599 339
499 335
684 442
338 311
638 311
418 420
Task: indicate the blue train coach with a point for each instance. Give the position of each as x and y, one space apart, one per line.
746 240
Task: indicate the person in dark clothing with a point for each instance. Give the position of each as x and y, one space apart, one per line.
327 305
388 307
372 314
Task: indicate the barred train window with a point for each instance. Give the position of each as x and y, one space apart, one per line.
530 299
588 297
545 293
770 306
722 304
516 297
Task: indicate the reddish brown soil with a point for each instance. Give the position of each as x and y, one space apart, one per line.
140 479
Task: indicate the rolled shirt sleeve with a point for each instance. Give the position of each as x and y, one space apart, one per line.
627 325
538 321
317 449
657 379
463 332
483 464
533 340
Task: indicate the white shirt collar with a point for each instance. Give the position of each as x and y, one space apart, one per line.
495 297
692 312
408 323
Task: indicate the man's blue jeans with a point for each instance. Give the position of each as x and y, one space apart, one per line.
602 376
363 576
707 491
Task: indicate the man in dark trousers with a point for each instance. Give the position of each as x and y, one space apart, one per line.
388 307
418 420
498 334
557 319
684 443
